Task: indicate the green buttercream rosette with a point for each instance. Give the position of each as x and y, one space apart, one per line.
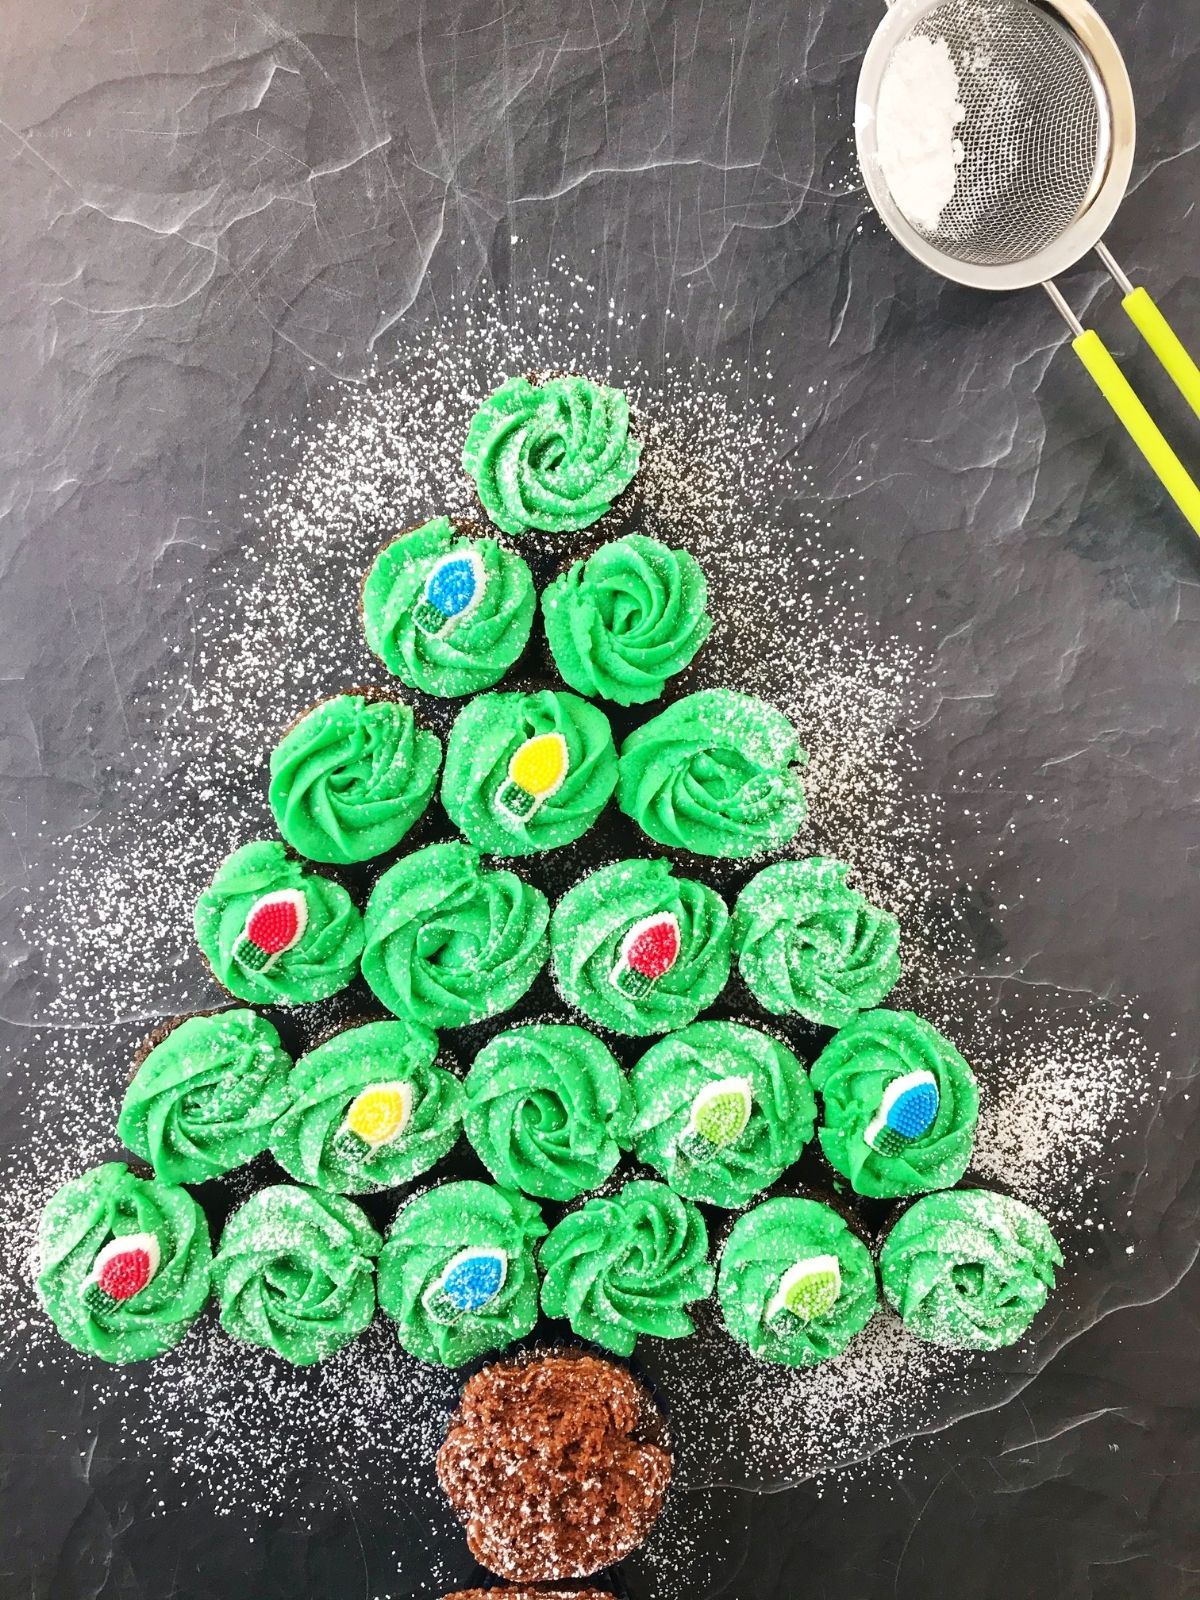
368 1109
475 626
448 943
717 773
721 1110
924 1139
639 950
294 1273
351 778
969 1269
261 881
551 455
569 771
457 1274
626 620
123 1263
206 1096
808 945
795 1283
548 1109
627 1264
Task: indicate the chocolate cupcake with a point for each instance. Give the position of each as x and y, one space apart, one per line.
717 773
295 1273
808 945
448 943
551 453
721 1111
457 1273
123 1263
968 1268
206 1094
446 609
368 1109
558 1466
548 1109
351 776
626 620
638 950
899 1105
525 1593
274 933
795 1282
627 1264
528 772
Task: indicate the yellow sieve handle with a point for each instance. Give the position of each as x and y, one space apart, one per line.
1166 344
1139 424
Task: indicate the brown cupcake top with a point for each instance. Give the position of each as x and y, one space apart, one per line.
554 1467
528 1594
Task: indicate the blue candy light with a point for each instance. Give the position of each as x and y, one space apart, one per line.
453 588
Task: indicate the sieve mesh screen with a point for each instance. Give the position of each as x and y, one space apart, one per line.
1035 131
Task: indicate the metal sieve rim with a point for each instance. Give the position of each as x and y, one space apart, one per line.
1102 54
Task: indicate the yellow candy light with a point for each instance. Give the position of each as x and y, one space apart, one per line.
381 1113
535 772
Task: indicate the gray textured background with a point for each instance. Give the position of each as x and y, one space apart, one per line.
208 209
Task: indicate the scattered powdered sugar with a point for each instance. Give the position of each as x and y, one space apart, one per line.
275 629
917 113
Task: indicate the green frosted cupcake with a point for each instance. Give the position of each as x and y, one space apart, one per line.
808 945
295 1273
720 1110
447 943
123 1263
795 1284
457 1274
551 454
547 1110
350 778
899 1105
206 1096
528 772
368 1109
627 1264
969 1269
626 620
717 773
638 950
275 934
445 611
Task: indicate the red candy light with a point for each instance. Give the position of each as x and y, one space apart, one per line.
649 950
274 924
122 1269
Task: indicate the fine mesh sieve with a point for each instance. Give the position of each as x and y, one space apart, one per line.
1006 162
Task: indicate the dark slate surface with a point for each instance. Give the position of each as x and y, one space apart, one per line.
209 208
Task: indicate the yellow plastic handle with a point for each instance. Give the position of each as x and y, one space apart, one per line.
1139 424
1165 342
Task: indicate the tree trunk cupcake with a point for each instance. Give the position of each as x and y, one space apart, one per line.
457 1274
627 1264
547 1110
550 454
207 1092
808 945
528 772
123 1263
721 1111
558 1466
717 773
295 1273
626 620
275 934
795 1283
899 1105
368 1109
968 1268
448 943
447 610
350 777
639 950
